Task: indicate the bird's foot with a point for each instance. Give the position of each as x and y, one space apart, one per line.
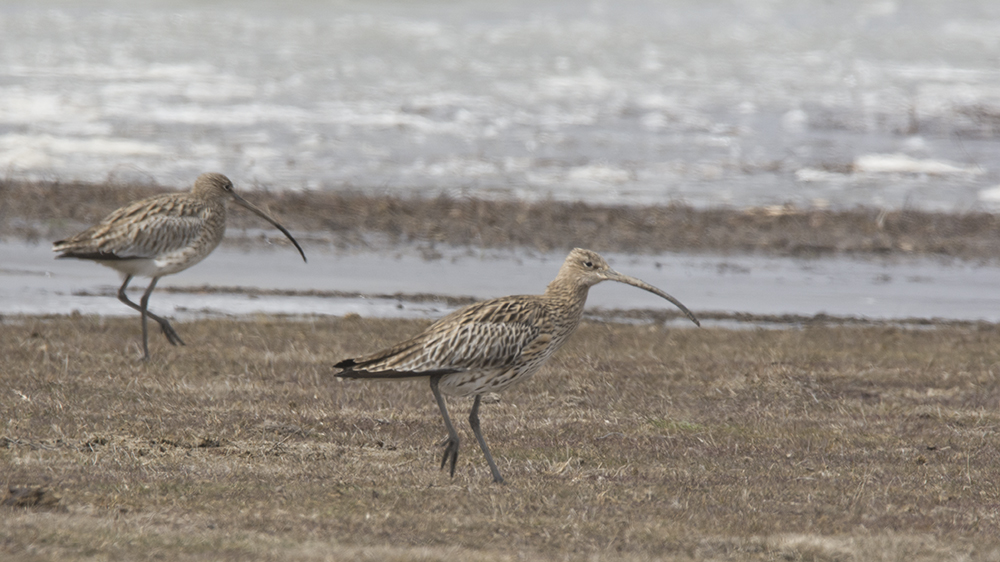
450 451
172 336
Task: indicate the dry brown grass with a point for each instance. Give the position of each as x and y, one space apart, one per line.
634 443
52 210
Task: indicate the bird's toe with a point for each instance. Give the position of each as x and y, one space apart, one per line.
450 454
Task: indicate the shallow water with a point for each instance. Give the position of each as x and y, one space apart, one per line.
32 282
755 102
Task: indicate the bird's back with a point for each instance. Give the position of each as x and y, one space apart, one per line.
176 227
487 334
486 345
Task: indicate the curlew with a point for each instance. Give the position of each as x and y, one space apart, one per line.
159 236
487 346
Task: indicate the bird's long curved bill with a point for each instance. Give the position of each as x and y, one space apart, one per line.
250 206
621 278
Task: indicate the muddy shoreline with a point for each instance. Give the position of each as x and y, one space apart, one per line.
41 211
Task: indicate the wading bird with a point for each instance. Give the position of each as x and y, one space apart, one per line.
161 235
488 346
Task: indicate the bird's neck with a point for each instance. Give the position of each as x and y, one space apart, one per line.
215 206
571 297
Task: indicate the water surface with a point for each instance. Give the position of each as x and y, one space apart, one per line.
32 282
747 103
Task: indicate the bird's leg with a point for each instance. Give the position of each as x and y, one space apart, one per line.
172 336
142 314
168 330
451 447
474 422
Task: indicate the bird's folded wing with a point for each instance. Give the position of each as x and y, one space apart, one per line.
476 345
132 233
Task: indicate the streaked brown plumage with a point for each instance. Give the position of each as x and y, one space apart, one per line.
161 235
488 346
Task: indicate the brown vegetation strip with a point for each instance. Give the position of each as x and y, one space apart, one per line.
633 443
48 210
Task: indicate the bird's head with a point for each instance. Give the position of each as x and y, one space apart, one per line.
212 185
584 269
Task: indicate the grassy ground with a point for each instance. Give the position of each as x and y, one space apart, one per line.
634 443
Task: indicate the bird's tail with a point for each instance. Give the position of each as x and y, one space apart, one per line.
389 374
384 365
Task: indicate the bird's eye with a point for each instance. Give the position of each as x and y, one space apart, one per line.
588 264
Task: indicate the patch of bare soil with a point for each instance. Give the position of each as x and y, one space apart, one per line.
636 442
51 210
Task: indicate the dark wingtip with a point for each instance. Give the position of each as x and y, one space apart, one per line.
96 256
345 364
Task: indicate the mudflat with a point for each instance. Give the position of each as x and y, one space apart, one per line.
365 219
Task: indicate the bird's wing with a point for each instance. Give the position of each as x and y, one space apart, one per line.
488 335
144 229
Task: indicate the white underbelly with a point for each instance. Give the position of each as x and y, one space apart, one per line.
166 264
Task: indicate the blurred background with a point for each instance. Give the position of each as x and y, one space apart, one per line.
739 103
787 105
